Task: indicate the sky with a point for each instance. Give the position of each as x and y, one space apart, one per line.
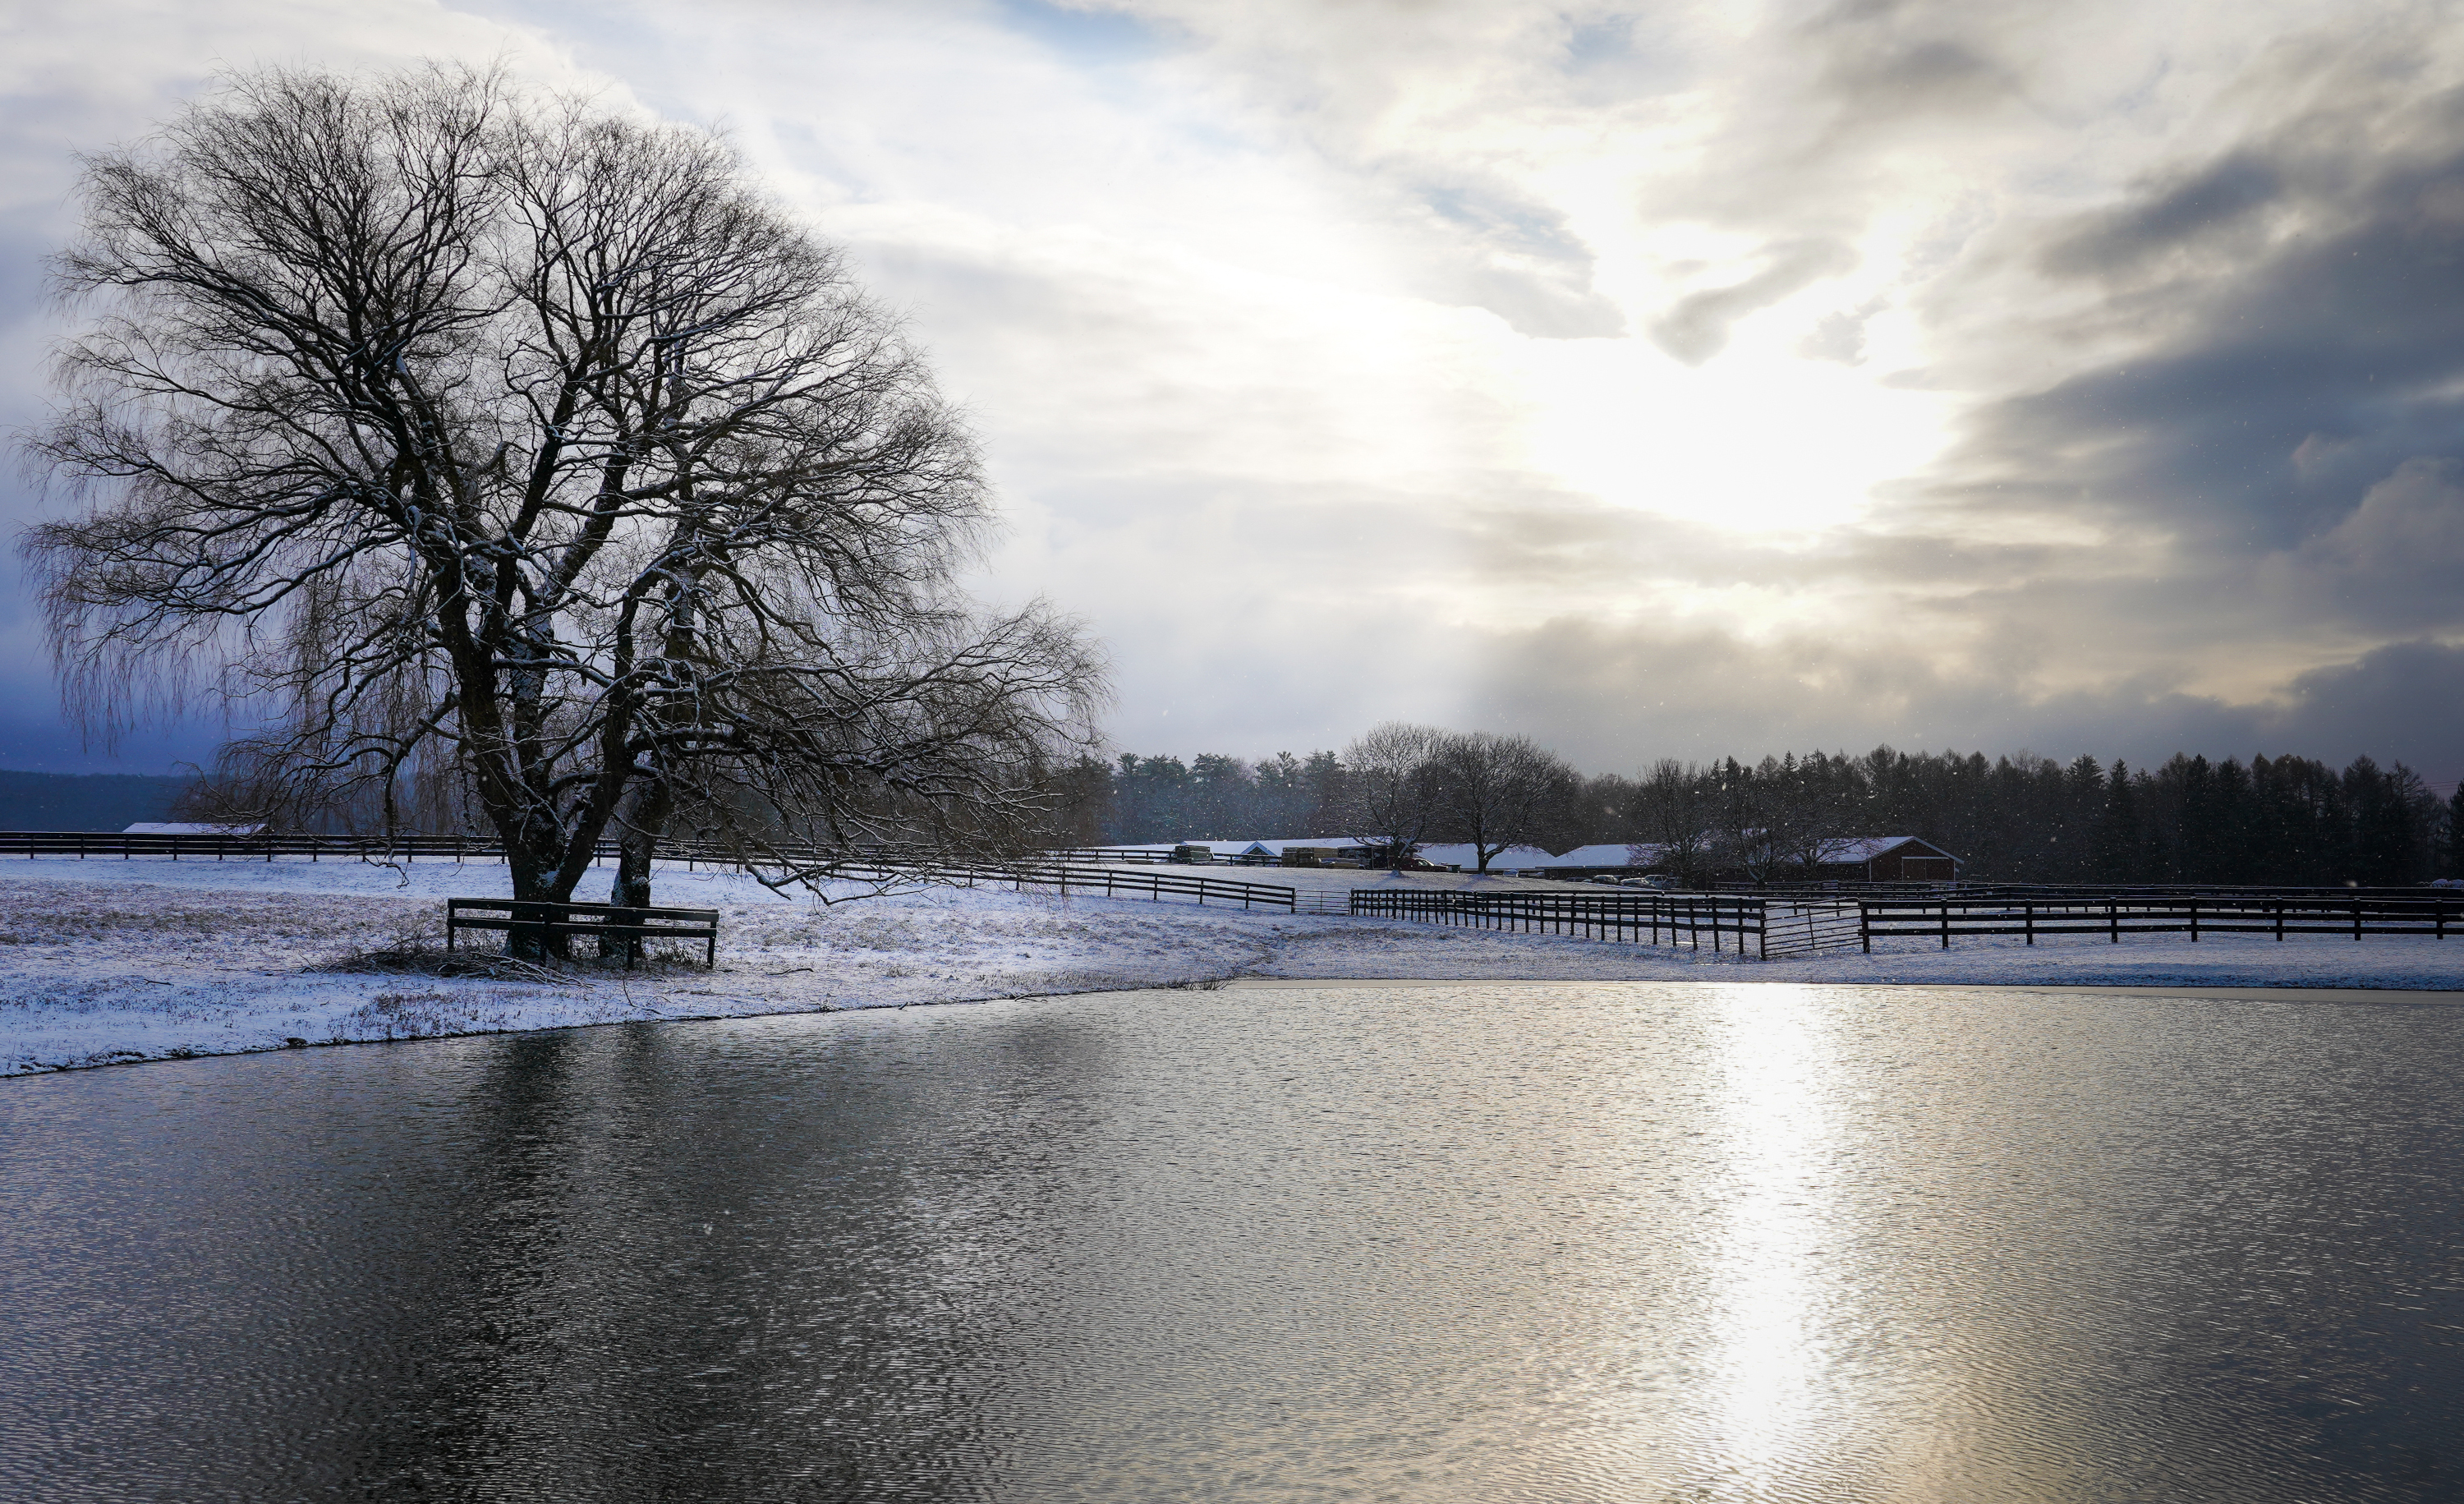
1671 380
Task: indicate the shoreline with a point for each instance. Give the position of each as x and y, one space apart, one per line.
118 963
2377 996
2454 995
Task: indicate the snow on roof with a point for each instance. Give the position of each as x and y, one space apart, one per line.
1849 849
1609 854
1274 846
158 827
1462 855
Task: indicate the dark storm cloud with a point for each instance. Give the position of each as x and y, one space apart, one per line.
1614 696
2301 299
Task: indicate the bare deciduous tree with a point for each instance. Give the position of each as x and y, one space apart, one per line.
1497 792
1677 821
448 430
1391 788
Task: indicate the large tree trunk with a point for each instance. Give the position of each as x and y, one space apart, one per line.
643 819
532 852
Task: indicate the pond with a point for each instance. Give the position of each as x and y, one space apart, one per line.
1564 1242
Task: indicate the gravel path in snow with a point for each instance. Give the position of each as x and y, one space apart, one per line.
103 961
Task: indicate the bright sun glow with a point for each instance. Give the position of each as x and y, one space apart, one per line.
1754 441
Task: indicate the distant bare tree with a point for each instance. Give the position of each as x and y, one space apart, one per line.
1497 792
1677 820
1391 788
511 443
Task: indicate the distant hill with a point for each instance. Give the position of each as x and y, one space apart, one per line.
83 801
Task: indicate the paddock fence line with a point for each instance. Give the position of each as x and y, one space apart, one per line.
107 845
1022 877
1809 927
2114 914
1770 924
1779 927
1731 922
1088 882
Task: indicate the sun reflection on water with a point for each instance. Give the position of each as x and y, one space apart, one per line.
1781 1133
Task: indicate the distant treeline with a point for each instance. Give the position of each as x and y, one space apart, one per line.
84 801
1211 798
2016 818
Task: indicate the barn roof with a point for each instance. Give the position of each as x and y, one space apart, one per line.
1609 854
1848 850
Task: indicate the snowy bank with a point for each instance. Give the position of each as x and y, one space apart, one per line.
107 961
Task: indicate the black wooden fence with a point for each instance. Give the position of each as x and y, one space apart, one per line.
1768 925
1730 922
2116 913
1085 881
1039 875
1779 927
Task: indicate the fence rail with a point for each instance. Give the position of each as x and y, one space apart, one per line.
2116 915
1043 875
109 844
1810 928
1085 881
1777 928
1771 926
1635 918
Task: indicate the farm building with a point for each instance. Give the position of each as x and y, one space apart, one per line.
172 828
1464 855
1642 857
1887 858
1261 852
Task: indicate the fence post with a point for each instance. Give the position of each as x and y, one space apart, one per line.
2194 921
2030 915
2278 907
1762 931
1864 927
2357 921
2113 918
1946 924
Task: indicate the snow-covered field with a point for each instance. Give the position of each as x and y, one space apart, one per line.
105 962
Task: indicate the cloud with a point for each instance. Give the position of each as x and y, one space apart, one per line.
1515 259
1655 379
1614 696
2397 562
1697 328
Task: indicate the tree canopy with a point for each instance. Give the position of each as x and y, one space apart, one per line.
522 453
